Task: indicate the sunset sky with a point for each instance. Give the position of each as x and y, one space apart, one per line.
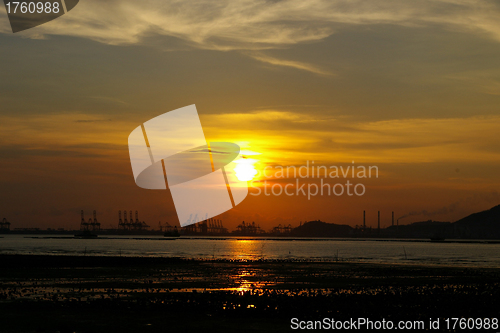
410 87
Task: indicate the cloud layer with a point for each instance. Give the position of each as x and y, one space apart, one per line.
251 25
297 137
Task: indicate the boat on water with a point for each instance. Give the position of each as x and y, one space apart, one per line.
437 238
172 233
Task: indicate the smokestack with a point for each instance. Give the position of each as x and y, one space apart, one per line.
393 219
379 221
364 219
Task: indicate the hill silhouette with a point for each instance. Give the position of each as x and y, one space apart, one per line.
481 225
424 229
322 229
485 224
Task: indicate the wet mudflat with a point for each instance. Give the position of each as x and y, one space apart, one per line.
122 294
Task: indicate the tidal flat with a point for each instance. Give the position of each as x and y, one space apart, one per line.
50 293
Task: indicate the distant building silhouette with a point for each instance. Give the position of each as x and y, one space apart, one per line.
4 225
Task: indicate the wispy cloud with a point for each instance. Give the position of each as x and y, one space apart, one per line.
290 63
253 26
294 138
109 100
91 120
261 24
485 82
62 130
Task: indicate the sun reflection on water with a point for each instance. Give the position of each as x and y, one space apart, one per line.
247 278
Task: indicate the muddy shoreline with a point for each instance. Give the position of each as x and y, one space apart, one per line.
131 294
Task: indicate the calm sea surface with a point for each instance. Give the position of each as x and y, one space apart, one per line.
386 251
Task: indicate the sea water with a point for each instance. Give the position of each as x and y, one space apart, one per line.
468 253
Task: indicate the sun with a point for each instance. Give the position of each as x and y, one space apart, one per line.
245 169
